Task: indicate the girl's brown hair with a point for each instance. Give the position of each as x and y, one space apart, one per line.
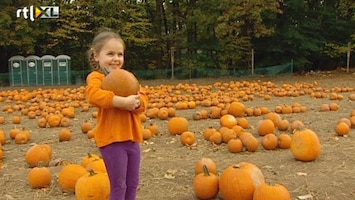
98 42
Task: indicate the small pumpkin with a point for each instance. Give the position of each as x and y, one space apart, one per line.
342 129
163 113
38 153
239 181
228 121
154 129
2 137
39 177
243 122
207 132
86 126
187 138
284 141
21 138
227 134
208 162
121 82
42 122
147 133
269 141
305 145
2 119
65 134
216 138
93 185
69 175
89 158
296 125
235 145
271 192
206 184
265 126
98 165
283 125
250 142
237 109
16 119
177 125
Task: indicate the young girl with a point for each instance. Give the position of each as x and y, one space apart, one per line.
118 131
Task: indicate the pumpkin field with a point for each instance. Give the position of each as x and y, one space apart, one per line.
187 121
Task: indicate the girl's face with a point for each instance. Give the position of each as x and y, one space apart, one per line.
111 55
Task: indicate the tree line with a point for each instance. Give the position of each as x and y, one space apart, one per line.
222 34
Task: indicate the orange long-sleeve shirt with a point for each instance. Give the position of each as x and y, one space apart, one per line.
113 124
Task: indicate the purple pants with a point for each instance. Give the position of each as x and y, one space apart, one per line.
122 160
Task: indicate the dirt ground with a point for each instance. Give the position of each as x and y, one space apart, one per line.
167 170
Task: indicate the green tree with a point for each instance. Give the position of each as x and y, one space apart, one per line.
241 22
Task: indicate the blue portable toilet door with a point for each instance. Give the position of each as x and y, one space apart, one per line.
48 73
63 72
16 73
32 75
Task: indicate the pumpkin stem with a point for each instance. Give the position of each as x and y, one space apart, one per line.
237 166
92 172
205 170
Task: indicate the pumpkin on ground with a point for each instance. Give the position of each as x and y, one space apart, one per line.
206 184
239 181
38 153
209 163
235 145
284 141
89 158
305 145
39 177
98 165
269 141
2 137
93 185
65 134
236 109
266 191
265 126
178 125
69 175
228 121
121 82
187 138
342 129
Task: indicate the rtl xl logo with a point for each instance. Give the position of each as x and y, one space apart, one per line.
43 12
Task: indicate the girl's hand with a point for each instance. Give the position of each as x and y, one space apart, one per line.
129 103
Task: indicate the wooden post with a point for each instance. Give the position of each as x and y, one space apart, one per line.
348 57
172 49
252 61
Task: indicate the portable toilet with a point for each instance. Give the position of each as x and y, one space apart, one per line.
63 69
48 69
16 72
33 68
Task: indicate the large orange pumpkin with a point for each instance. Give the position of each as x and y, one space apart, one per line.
121 82
239 181
93 185
305 145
